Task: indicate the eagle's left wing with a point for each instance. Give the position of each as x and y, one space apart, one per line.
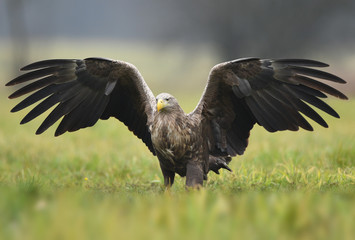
272 93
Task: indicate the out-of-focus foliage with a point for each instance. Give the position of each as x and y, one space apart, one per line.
236 28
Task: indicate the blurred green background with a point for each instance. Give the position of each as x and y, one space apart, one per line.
102 182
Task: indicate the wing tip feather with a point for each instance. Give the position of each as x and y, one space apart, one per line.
9 84
311 129
57 134
14 109
46 63
301 62
39 131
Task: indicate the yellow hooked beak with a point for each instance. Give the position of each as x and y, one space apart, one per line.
161 104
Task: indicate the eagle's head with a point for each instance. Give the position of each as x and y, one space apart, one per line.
167 103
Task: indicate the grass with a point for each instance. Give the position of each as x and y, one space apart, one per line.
102 183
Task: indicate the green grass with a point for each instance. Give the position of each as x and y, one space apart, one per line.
287 185
102 182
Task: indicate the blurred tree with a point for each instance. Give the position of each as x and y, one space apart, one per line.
18 33
237 28
271 28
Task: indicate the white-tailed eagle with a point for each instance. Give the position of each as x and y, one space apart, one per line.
272 93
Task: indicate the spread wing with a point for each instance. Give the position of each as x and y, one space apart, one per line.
85 91
271 93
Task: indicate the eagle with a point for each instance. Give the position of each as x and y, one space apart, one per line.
276 94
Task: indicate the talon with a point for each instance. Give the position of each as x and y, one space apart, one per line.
225 166
216 163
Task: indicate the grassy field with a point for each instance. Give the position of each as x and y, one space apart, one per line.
102 183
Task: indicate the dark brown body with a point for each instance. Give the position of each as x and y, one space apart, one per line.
178 143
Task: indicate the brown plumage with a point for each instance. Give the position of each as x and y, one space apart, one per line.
239 93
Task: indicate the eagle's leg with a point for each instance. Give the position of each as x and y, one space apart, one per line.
194 175
168 177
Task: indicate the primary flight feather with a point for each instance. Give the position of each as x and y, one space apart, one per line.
238 94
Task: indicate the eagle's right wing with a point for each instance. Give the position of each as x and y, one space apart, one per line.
84 92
